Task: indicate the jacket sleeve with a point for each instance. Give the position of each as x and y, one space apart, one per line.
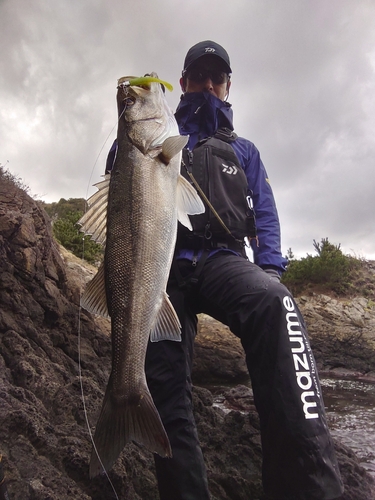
267 251
111 157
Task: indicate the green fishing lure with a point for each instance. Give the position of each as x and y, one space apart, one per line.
143 80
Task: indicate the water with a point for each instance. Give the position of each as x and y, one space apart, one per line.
350 407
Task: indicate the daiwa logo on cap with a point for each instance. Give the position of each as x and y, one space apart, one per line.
210 49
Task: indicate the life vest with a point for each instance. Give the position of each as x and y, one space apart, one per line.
216 168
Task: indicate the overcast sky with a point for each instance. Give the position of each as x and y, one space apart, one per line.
303 91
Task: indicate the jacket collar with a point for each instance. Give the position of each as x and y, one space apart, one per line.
201 114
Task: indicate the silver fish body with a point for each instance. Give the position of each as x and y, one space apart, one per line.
146 197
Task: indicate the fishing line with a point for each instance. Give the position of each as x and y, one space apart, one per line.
100 152
85 408
79 323
97 159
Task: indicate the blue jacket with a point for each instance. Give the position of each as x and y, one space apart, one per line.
199 115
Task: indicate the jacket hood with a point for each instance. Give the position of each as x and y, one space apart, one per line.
201 114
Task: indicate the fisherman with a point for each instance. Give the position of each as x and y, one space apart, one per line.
211 274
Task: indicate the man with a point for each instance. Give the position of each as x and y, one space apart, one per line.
211 274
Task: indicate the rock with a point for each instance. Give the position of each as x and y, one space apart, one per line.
54 356
218 354
240 398
342 332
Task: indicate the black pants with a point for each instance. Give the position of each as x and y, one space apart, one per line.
298 456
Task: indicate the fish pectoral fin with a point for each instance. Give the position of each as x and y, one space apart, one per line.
188 202
134 418
171 147
94 297
167 325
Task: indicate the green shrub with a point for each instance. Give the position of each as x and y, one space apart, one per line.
63 207
330 270
66 231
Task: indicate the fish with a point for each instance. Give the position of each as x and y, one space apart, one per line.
134 215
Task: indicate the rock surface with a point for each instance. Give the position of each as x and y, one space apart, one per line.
342 334
52 353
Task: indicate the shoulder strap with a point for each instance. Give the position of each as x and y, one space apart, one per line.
225 134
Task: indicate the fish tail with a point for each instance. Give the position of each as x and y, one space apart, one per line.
133 419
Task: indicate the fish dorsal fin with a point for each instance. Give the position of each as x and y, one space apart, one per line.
167 325
94 221
94 298
188 202
171 147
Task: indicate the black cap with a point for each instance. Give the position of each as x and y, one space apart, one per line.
204 49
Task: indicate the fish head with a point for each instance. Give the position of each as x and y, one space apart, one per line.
144 111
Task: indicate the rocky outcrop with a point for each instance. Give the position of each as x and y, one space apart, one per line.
342 334
54 357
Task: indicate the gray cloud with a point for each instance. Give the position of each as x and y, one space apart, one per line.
303 92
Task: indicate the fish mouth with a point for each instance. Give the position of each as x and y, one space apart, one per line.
131 88
143 82
135 84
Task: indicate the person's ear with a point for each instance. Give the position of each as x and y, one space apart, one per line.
182 84
229 83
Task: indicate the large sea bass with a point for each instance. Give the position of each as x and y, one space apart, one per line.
134 214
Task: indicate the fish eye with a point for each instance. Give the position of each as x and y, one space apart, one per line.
128 101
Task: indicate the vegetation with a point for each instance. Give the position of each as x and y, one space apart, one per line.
65 214
60 209
7 177
329 270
